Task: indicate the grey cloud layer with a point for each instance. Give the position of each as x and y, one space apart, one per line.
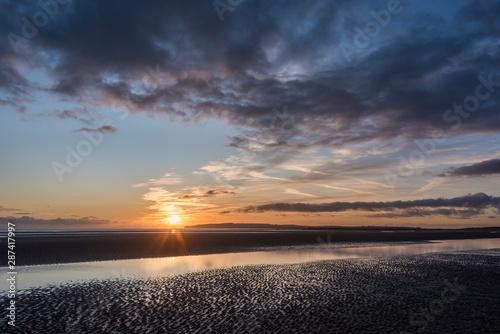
479 201
234 70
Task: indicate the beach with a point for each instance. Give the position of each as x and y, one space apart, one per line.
447 292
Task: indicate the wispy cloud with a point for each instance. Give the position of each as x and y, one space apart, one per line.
105 129
166 179
66 223
79 114
296 192
186 201
4 208
204 192
432 184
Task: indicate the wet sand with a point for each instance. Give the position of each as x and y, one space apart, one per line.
451 292
64 248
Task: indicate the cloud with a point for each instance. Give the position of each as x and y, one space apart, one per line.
432 184
4 208
80 114
166 202
65 223
299 193
208 193
185 201
477 201
177 59
166 179
487 167
105 129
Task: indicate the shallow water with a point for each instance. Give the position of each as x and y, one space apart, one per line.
40 275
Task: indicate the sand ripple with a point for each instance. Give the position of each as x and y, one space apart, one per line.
369 295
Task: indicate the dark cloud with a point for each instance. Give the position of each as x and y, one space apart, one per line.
214 192
177 58
487 167
476 201
105 129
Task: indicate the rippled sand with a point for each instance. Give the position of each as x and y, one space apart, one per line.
435 293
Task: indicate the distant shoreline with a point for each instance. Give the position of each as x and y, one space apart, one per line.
333 227
246 226
298 227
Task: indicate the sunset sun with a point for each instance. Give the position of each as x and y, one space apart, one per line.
173 220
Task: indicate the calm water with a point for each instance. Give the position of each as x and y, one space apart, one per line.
33 276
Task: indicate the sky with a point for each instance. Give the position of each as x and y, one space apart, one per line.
152 114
